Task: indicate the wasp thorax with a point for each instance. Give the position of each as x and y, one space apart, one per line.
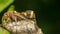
17 23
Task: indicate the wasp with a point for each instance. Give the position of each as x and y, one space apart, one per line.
21 22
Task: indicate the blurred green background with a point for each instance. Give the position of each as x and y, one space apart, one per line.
47 12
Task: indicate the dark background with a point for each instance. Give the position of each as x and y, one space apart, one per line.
47 13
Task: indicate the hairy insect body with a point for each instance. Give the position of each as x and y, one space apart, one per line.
18 24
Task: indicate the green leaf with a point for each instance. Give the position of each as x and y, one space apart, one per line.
4 4
3 31
11 8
